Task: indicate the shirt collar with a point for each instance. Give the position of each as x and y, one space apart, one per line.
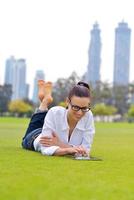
80 125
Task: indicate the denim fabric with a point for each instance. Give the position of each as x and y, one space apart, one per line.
27 142
33 130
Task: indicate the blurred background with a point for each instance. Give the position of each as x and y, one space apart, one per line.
64 42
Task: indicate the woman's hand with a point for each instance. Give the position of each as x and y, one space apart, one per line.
77 151
66 151
81 151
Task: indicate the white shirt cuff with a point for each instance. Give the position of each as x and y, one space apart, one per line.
49 151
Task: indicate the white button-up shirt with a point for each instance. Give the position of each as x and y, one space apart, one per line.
56 121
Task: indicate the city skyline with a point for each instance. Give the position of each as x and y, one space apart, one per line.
94 56
54 36
122 54
15 75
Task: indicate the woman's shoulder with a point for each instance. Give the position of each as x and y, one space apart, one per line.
89 114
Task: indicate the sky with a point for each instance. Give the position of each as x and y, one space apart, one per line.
54 35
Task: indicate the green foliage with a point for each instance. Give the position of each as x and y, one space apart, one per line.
111 110
5 96
19 107
63 104
62 87
118 95
31 176
131 111
102 109
102 93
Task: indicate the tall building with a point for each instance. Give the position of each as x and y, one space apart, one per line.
20 86
39 75
15 74
94 56
122 54
9 70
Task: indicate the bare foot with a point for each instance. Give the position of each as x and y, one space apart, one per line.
44 104
45 90
48 92
41 91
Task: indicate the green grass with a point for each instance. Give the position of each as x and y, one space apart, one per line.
27 175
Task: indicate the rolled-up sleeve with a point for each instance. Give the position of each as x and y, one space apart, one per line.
49 151
48 128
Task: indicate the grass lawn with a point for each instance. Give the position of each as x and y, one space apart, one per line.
27 175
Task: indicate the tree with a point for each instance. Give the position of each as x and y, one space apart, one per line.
5 97
131 93
111 110
131 114
62 87
120 97
63 104
19 107
102 93
131 111
102 110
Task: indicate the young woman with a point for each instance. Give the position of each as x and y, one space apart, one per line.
59 130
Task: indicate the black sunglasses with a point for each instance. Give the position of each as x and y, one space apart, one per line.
77 108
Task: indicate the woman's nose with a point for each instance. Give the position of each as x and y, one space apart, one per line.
80 111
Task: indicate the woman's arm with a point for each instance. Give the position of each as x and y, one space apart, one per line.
58 151
70 151
53 140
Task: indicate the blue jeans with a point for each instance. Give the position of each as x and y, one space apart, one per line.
33 130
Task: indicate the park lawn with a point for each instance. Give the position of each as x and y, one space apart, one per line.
27 175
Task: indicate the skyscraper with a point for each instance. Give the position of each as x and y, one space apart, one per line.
20 86
122 54
39 75
94 56
15 74
9 70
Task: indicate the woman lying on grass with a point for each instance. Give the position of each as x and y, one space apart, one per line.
59 130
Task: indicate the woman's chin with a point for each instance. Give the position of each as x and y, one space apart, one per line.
77 117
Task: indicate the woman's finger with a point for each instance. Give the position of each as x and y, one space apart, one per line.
45 137
45 142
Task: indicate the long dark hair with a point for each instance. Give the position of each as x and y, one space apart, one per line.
82 89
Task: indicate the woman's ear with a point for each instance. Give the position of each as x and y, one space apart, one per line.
67 101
